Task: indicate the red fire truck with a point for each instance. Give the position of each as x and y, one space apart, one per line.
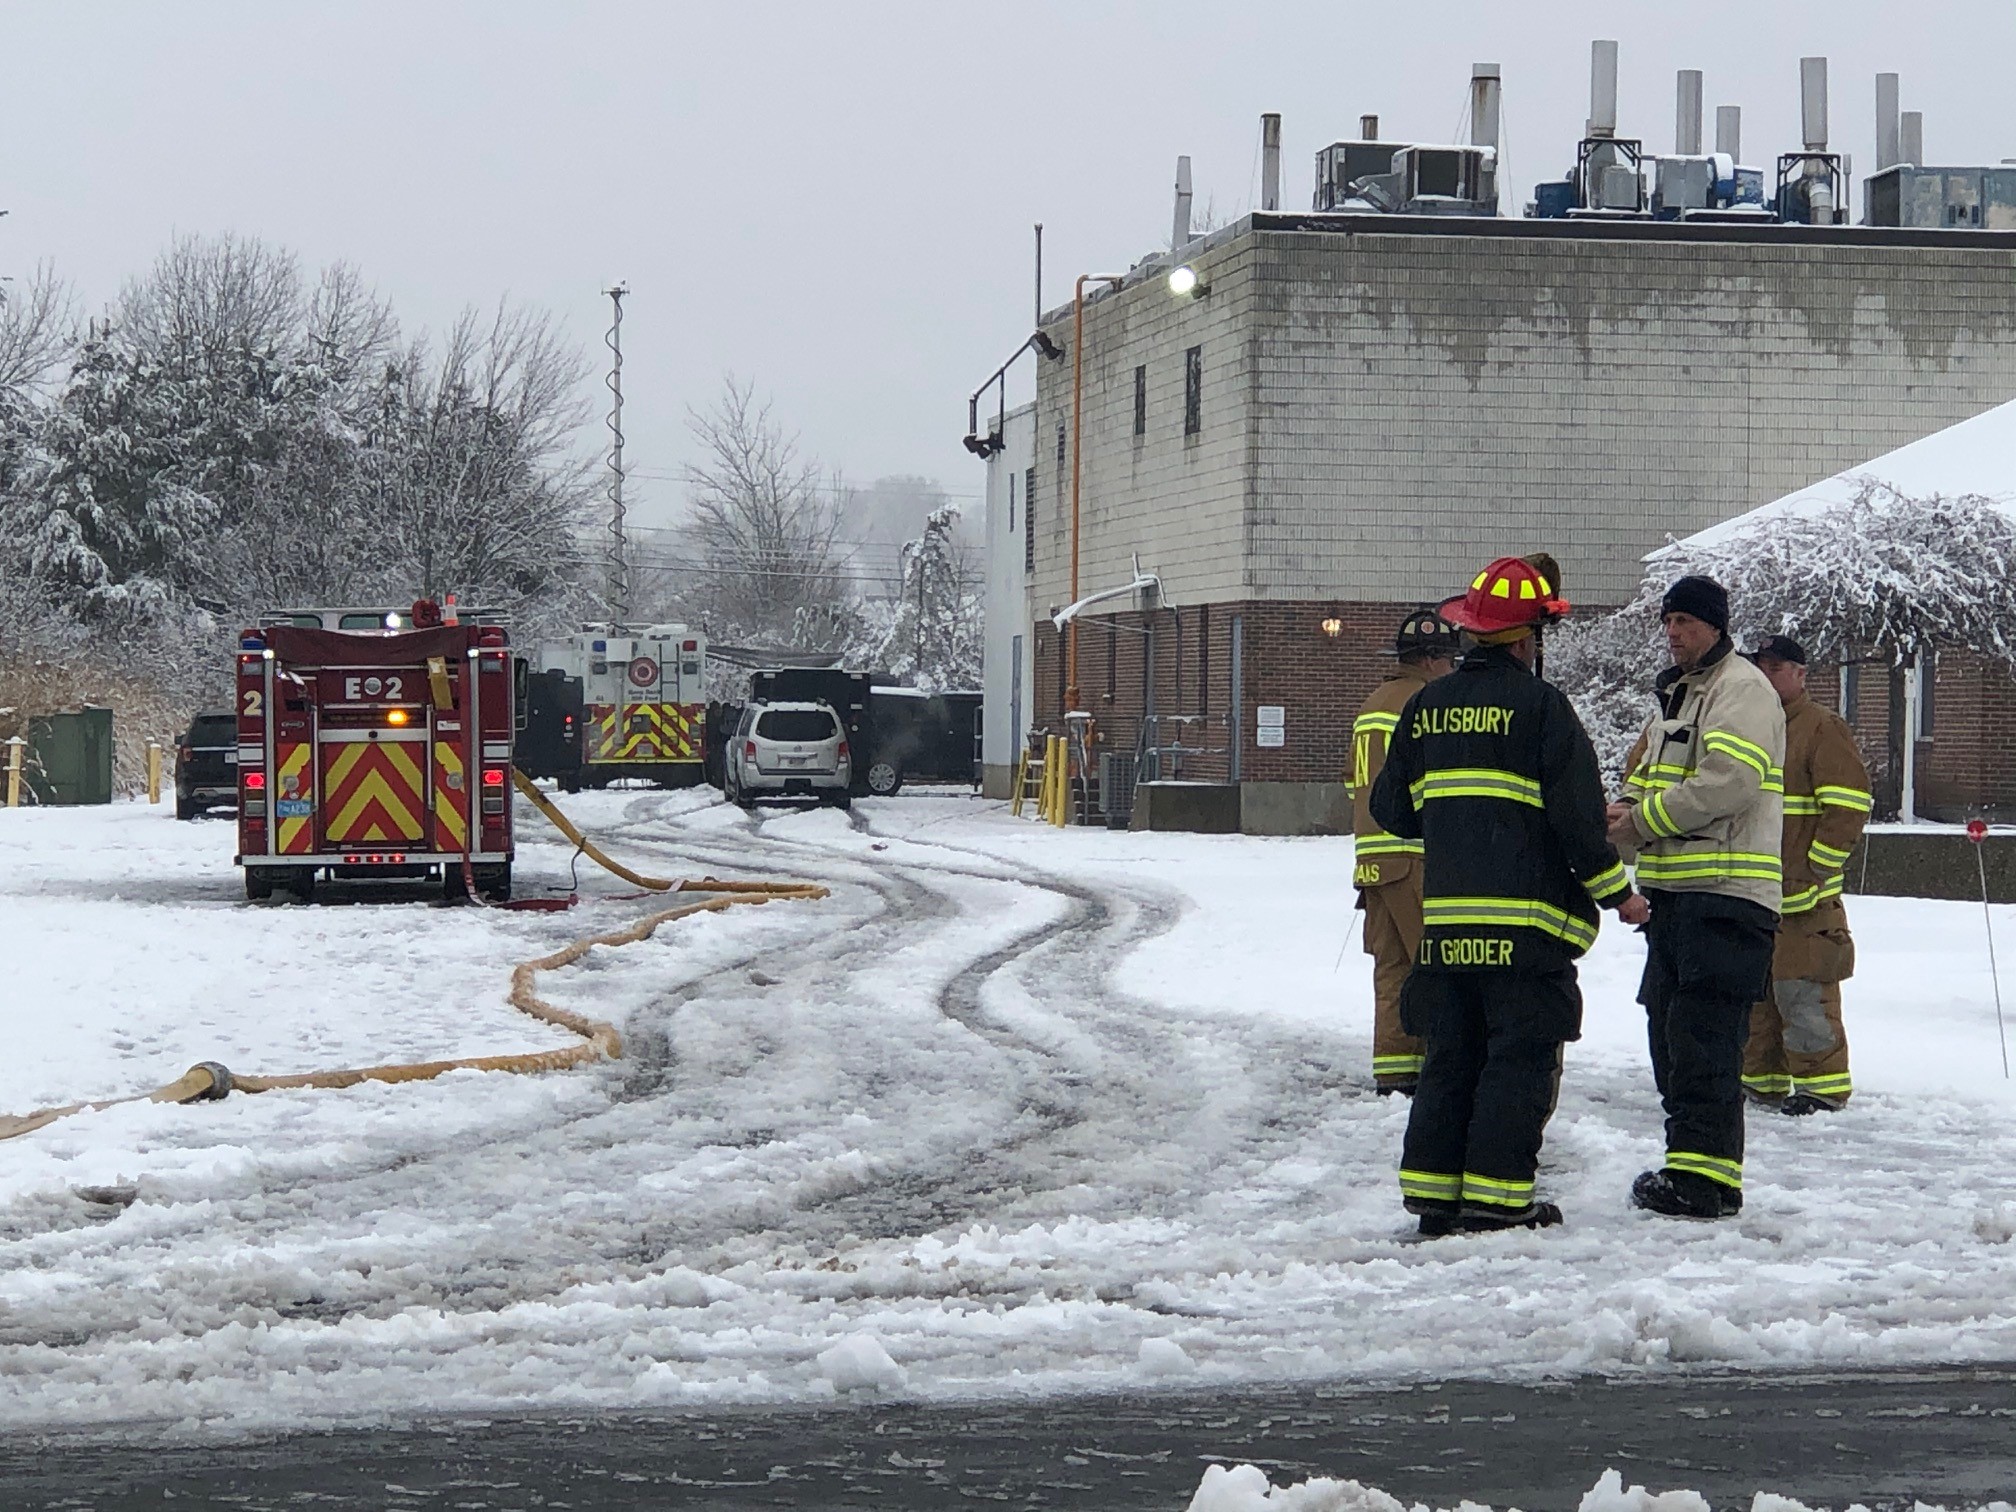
379 751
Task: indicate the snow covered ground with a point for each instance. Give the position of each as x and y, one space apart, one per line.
1015 1111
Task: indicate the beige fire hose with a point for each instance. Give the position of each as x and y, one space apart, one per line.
209 1081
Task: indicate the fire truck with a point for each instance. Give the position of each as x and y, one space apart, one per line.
644 705
380 750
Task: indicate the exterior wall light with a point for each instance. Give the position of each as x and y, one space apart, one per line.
1333 627
1185 284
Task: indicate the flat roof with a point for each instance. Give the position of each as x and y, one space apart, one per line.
1605 228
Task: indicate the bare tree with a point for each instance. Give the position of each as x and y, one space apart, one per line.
37 317
763 523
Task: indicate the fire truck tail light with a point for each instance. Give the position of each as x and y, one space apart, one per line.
493 777
490 635
253 808
689 645
255 782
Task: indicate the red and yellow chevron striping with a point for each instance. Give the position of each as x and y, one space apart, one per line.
373 793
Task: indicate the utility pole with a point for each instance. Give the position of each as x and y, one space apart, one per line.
619 562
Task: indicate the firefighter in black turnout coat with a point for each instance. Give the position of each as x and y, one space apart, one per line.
1491 769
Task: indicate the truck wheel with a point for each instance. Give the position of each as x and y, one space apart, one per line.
186 808
494 882
258 884
839 798
302 884
570 782
884 778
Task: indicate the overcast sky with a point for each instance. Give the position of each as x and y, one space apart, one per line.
835 200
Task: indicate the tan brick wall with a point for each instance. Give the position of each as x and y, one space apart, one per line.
1382 410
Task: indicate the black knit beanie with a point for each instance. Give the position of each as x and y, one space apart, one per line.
1702 597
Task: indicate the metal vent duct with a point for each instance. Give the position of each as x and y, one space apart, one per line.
1886 121
1687 113
1729 130
1484 98
1602 89
1911 138
1270 161
1179 230
1368 128
1813 102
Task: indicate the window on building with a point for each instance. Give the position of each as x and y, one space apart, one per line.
1011 503
1141 401
1060 462
1928 678
1193 391
1029 520
1851 691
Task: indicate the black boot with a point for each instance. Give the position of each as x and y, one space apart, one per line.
1800 1104
1682 1194
1438 1219
1488 1220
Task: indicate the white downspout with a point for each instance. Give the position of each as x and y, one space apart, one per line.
1908 805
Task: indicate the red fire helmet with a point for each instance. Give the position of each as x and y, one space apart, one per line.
1510 594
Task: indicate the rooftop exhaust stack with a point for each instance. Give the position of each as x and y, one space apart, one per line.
1813 102
1270 161
1484 91
1687 114
1911 138
1368 128
1602 89
1729 130
1886 121
1179 231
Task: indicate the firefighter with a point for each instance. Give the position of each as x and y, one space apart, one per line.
1797 1058
1387 872
1491 770
1702 815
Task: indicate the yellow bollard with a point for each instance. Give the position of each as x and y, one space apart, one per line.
15 746
153 772
1049 805
1061 793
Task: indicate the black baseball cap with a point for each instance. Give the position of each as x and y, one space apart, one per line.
1783 647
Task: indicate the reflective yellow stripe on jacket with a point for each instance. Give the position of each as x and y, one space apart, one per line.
1477 782
1510 913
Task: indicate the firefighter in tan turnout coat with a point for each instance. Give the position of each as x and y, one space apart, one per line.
1797 1057
1387 869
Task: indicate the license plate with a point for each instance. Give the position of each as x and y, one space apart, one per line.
294 808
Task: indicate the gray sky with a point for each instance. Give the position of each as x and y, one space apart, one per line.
835 199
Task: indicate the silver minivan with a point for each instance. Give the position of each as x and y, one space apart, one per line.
788 750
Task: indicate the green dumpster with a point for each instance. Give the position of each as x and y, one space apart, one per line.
69 758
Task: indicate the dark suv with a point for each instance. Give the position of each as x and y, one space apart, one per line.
206 765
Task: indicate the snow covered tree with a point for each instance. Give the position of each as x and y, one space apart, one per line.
1886 577
934 638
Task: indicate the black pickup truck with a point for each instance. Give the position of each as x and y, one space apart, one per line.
206 765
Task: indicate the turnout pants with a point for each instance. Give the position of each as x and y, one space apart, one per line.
1707 959
1797 1042
1488 1083
1392 939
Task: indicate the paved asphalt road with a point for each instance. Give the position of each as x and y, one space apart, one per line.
1886 1440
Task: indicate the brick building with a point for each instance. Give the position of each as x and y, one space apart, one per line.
1353 412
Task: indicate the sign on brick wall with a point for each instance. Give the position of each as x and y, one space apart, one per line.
1270 726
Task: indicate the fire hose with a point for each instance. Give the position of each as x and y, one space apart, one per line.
209 1081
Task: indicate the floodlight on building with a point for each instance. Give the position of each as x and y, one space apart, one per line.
1185 284
1333 627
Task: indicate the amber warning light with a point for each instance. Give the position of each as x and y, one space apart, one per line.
397 717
